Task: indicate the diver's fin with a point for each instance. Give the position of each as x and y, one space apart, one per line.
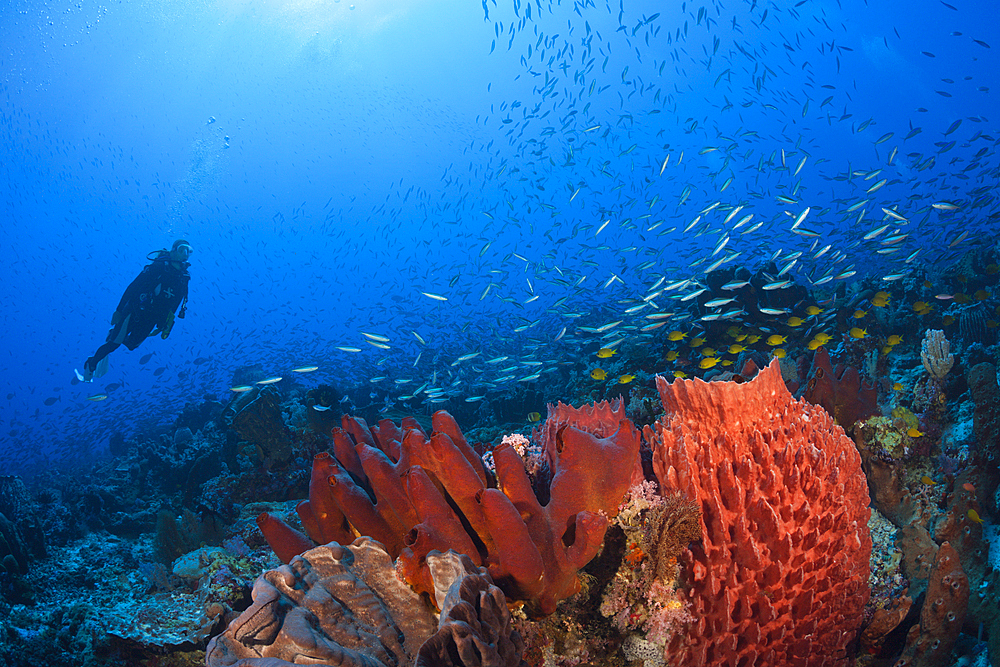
123 332
102 368
88 375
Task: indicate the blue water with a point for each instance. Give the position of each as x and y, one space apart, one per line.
331 163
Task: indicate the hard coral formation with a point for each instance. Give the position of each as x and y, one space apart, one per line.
982 379
256 417
334 605
781 574
475 628
344 605
433 493
21 541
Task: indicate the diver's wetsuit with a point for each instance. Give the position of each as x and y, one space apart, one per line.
148 303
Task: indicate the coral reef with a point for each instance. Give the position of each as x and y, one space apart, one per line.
256 417
883 622
18 506
434 494
475 627
982 380
781 574
642 599
974 326
344 605
842 392
929 643
935 354
668 529
13 564
21 541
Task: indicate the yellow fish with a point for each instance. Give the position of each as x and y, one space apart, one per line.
895 340
914 433
672 354
823 338
974 515
696 342
625 379
897 386
534 416
795 321
858 314
947 320
676 336
736 349
919 306
814 344
606 353
708 362
707 352
858 333
680 374
752 339
727 362
774 340
779 353
598 374
981 295
813 310
927 481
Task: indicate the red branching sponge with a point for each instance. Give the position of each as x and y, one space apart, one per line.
433 493
780 577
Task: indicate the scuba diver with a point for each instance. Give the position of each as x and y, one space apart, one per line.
147 308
